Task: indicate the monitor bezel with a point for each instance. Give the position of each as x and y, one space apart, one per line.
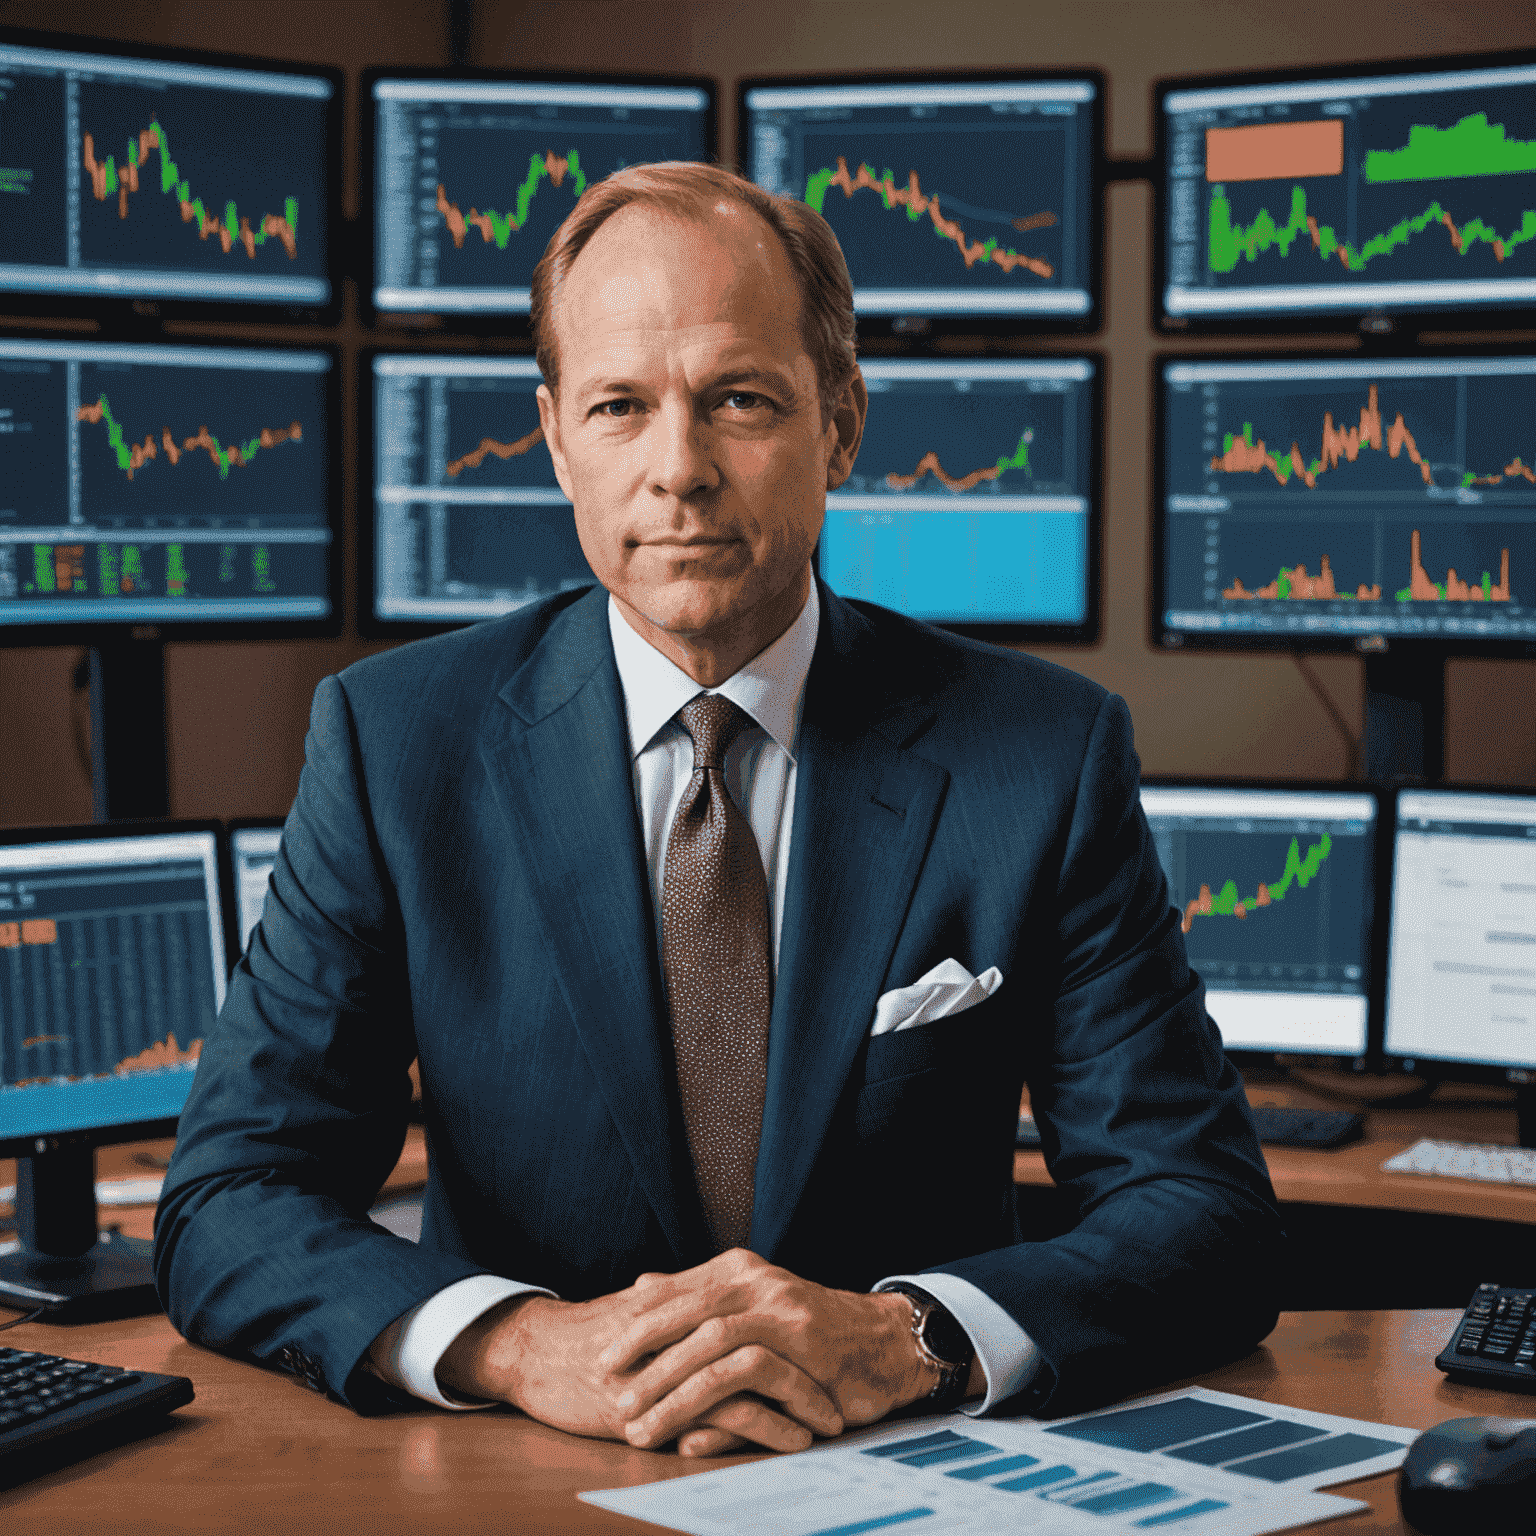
1084 635
1436 1069
104 631
1374 983
920 333
1173 642
426 325
137 1130
1406 324
139 311
233 826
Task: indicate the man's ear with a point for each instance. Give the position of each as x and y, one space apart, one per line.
549 420
847 425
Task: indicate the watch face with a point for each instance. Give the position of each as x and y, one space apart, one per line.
946 1338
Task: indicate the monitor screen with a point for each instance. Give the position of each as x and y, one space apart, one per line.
112 967
1321 502
1006 232
177 485
1349 196
1461 961
472 176
468 519
973 500
254 851
1274 888
166 177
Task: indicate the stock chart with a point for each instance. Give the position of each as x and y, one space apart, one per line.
469 520
1342 498
471 178
970 501
946 199
1273 890
144 482
1413 192
162 179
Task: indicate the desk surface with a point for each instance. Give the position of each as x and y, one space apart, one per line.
258 1452
1352 1175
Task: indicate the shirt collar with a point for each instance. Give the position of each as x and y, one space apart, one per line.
770 687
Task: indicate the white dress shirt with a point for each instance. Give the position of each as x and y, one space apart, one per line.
760 777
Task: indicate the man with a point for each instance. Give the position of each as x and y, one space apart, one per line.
667 887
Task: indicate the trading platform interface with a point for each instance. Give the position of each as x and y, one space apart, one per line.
472 177
156 484
1322 499
1461 969
143 178
111 972
970 198
1274 890
254 850
469 520
971 501
1405 192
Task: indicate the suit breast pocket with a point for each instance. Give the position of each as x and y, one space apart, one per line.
929 1072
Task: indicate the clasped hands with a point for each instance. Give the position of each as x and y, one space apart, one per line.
735 1352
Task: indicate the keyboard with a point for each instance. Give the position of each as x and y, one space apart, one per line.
1463 1160
1494 1344
54 1410
1283 1126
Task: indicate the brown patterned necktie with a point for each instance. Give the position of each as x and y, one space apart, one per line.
715 953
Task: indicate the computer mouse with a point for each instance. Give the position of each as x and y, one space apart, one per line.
1471 1477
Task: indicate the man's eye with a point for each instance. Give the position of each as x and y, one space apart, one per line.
616 408
744 400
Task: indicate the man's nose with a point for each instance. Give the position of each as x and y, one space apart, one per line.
682 460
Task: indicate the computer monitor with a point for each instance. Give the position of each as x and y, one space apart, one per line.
190 488
1461 957
151 181
113 961
472 171
466 520
253 849
1274 888
1359 196
1339 503
962 203
974 500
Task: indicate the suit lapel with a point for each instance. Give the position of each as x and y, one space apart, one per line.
558 758
864 812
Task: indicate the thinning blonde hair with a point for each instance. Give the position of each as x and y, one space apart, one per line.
691 191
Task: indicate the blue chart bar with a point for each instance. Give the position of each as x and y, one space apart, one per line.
1163 1424
906 1448
993 1468
1125 1499
943 1453
879 1523
1247 1442
1188 1512
1041 1479
1321 1456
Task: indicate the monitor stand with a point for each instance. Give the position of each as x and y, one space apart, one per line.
129 777
1405 716
63 1264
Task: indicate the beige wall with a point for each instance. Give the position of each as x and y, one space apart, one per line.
237 712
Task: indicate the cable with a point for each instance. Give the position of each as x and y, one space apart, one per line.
1351 741
16 1322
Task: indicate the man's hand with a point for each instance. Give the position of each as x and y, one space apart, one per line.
692 1345
549 1358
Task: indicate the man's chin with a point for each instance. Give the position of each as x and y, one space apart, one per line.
688 609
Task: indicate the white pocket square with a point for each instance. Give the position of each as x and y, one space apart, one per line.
947 989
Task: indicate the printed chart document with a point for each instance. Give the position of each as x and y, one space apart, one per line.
1192 1462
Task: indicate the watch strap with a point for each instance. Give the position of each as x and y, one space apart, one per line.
942 1342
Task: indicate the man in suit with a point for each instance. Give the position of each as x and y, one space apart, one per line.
727 921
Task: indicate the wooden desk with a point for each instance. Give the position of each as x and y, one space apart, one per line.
258 1452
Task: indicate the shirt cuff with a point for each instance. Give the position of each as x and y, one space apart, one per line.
1009 1357
407 1352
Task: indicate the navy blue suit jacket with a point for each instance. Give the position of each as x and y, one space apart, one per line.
462 880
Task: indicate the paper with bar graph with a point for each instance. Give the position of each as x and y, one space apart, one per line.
1193 1462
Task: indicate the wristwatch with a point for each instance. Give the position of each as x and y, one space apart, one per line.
942 1343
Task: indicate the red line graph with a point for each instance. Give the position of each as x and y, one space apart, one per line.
489 445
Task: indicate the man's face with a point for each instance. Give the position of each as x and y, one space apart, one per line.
687 432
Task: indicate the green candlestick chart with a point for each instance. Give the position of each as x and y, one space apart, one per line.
1228 241
1472 148
1300 869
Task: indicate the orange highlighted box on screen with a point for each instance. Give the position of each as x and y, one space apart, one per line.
39 930
1273 151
